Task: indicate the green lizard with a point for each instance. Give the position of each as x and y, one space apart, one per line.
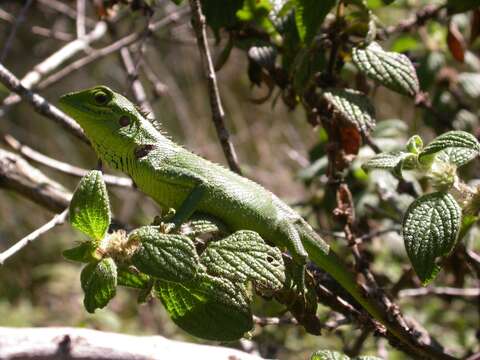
176 178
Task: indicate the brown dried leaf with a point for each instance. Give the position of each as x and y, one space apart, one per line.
456 42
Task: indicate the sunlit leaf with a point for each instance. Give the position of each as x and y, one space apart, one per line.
430 228
210 308
391 69
90 208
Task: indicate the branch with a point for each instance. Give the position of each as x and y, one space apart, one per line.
41 105
137 87
54 61
55 221
73 343
441 291
218 114
18 175
80 21
426 13
60 166
107 50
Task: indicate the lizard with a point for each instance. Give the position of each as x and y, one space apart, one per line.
176 178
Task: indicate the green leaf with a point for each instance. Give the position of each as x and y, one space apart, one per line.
430 228
353 106
459 147
414 145
99 283
393 70
309 16
81 253
392 161
165 256
209 307
257 11
307 63
204 227
244 256
90 207
134 279
328 355
335 355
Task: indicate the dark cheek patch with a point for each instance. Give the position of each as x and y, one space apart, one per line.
143 150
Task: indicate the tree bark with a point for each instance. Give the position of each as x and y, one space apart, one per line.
85 344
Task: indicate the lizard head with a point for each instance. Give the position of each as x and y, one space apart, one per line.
111 122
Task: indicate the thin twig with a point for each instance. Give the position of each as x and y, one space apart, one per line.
428 12
54 61
441 291
19 20
137 87
58 35
264 321
64 9
218 114
41 105
55 221
80 21
114 47
60 166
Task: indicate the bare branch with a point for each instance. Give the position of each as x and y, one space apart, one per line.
64 9
60 166
114 47
55 221
41 105
441 291
428 12
54 61
218 114
58 35
264 321
74 343
18 175
80 21
137 87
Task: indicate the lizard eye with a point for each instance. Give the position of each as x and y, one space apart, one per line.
100 98
124 120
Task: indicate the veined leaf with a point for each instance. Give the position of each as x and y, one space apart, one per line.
430 230
90 207
99 283
353 106
210 308
328 355
392 161
459 147
309 16
81 253
393 70
129 278
166 256
335 355
244 256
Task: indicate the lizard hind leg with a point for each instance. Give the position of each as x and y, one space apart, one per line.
293 241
